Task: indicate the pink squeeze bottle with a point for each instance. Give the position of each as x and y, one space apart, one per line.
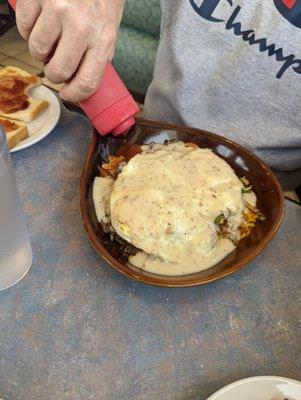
111 108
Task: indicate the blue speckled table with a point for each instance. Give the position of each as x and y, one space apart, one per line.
76 329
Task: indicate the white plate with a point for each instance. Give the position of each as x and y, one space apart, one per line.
260 388
44 124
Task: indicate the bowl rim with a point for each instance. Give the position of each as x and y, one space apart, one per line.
240 382
157 279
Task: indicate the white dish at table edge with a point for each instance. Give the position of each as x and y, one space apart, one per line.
260 388
44 124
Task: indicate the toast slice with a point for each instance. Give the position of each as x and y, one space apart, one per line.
15 102
15 131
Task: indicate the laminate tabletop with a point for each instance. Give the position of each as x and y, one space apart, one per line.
75 329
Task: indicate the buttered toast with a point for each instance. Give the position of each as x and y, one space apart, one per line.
15 101
15 131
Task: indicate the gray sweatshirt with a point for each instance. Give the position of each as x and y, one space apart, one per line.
233 67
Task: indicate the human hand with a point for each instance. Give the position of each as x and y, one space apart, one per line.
75 37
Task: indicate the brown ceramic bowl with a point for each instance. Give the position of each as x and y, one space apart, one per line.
265 184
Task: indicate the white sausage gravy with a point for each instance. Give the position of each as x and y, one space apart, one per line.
167 202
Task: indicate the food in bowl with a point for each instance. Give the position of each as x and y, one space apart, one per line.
175 208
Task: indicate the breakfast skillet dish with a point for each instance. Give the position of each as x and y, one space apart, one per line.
174 208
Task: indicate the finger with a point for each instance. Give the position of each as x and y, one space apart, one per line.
27 12
87 79
66 58
44 36
112 53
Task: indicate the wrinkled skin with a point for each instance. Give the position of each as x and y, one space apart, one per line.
75 37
